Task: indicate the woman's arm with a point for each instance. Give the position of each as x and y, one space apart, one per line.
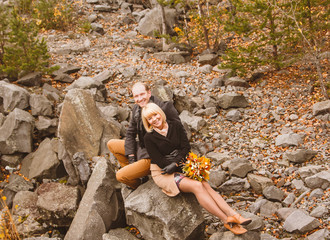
184 147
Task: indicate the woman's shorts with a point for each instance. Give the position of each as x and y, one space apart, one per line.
177 178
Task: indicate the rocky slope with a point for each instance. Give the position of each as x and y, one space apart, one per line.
277 136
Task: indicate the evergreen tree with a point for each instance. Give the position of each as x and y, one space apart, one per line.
24 51
268 36
3 30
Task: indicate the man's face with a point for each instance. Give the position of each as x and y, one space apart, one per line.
140 95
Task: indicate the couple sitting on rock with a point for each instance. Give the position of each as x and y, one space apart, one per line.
155 132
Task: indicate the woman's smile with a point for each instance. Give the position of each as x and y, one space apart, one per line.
156 121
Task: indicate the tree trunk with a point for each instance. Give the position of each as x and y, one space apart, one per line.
206 34
164 32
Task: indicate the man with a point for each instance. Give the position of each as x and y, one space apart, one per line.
131 153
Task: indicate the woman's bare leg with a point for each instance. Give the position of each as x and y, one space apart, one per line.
203 196
223 205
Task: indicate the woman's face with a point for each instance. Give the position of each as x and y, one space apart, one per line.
155 120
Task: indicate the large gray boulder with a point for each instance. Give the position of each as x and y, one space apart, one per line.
57 203
217 177
96 87
81 125
299 221
105 76
152 21
16 132
101 207
321 108
13 97
43 163
319 180
158 216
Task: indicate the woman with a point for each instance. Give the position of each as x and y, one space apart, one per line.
167 145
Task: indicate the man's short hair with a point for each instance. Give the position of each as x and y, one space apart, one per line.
146 87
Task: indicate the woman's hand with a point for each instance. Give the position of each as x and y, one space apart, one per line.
169 168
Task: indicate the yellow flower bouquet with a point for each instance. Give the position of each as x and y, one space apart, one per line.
196 167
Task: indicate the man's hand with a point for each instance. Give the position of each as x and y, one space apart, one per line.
169 168
131 159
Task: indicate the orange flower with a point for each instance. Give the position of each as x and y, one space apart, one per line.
197 167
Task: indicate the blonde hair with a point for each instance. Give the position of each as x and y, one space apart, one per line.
150 109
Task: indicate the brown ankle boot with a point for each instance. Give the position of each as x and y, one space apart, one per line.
236 228
237 218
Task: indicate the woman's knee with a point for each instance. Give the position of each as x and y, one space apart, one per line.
192 185
206 184
199 186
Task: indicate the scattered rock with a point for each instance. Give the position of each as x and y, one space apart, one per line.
300 155
321 108
298 221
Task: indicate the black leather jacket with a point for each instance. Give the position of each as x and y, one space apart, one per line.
134 142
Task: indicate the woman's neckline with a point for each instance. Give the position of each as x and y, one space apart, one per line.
163 131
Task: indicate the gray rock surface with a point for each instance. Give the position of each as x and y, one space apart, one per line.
158 216
57 203
16 132
300 155
101 206
43 163
13 96
298 221
232 100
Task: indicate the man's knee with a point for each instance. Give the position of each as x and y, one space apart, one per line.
111 143
120 176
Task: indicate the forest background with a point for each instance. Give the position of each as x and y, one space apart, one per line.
264 34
